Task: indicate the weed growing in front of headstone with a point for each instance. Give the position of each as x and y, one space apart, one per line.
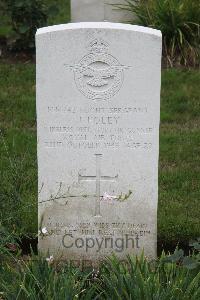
124 197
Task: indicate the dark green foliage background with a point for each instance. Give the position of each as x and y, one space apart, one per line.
179 22
19 20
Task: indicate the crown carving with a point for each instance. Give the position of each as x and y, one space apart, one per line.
98 46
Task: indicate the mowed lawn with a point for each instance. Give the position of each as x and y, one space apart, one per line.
179 172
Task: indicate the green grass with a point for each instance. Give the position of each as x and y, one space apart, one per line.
179 173
18 182
179 180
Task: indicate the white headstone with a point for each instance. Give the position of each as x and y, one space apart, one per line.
99 11
98 109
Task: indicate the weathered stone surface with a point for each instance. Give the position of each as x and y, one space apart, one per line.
98 108
99 11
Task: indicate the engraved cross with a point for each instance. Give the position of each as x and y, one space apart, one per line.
98 178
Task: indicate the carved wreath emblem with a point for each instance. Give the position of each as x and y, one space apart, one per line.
98 75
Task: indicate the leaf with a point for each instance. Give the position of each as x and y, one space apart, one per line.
175 257
189 263
195 244
24 28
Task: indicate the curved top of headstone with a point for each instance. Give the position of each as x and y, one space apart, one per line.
99 25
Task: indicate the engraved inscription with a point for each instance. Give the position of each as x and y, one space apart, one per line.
98 128
99 228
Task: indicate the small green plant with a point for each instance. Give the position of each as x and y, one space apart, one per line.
178 21
190 262
40 278
26 16
139 279
135 278
195 244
